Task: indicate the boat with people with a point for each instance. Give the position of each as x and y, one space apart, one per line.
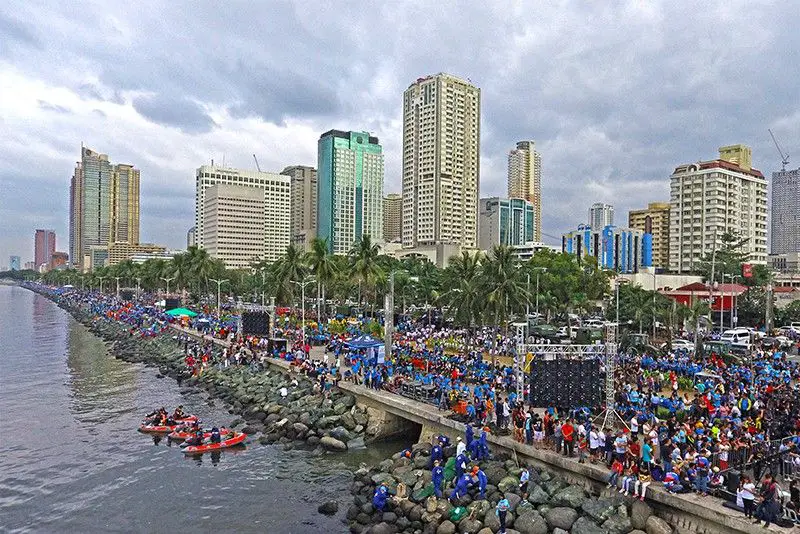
160 422
185 432
231 440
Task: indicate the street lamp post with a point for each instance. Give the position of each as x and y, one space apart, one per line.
655 289
138 287
117 279
101 278
168 280
733 277
538 270
303 305
219 286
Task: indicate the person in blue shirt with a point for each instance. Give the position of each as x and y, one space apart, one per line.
379 498
436 453
470 433
462 486
437 477
482 481
461 465
483 447
503 506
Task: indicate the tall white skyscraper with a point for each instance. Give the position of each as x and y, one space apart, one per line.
525 179
441 162
711 198
277 203
601 215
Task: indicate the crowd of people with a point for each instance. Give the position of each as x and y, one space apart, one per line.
689 419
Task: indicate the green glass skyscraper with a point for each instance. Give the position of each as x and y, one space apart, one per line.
349 189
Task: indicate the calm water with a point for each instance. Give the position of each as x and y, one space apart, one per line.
72 460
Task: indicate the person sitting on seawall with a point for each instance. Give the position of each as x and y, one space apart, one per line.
215 436
641 485
717 480
672 482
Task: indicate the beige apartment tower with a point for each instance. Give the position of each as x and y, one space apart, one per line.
304 204
655 219
441 162
525 179
275 190
233 229
711 198
392 217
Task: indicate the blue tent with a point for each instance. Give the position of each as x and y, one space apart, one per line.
364 342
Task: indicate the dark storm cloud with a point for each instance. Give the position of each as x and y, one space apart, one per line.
174 111
614 94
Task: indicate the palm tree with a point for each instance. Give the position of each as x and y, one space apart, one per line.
364 264
642 304
698 309
461 287
289 268
324 268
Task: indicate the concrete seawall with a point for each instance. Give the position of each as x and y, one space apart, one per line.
391 414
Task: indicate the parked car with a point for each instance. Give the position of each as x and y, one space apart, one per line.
594 323
737 335
681 344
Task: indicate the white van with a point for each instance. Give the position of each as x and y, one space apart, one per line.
737 335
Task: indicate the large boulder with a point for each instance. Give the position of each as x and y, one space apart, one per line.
469 526
329 508
599 509
560 517
490 520
447 527
383 528
300 428
585 525
571 496
342 434
332 444
536 495
531 523
508 484
617 524
640 511
656 525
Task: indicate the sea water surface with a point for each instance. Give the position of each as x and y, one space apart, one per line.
72 461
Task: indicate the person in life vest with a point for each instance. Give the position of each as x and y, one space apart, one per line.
178 413
215 437
379 499
437 477
195 440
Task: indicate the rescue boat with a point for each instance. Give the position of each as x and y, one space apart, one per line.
236 439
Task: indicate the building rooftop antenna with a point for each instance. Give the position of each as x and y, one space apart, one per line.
784 157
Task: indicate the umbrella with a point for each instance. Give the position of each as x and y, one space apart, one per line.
177 312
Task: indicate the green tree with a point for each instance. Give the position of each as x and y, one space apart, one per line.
324 268
364 266
290 267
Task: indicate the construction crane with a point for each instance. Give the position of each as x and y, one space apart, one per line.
257 165
784 157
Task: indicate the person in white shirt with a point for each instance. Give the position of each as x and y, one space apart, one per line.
460 447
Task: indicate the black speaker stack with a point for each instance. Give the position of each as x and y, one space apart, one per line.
565 383
255 324
126 294
171 304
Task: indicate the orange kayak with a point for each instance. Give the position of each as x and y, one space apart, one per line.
237 439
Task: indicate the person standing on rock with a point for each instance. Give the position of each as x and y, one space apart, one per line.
461 447
461 465
501 511
436 453
524 478
437 477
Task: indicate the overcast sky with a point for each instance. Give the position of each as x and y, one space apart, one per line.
615 96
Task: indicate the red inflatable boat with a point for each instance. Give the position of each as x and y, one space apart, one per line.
236 439
180 434
156 429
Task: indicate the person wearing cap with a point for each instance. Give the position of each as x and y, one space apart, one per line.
437 477
380 497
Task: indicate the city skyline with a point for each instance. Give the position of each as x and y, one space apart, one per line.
589 108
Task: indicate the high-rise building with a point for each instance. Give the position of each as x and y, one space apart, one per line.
304 204
277 203
44 247
441 162
190 238
506 221
349 189
104 206
711 198
601 215
525 179
234 220
392 217
14 263
124 226
785 231
120 251
624 250
655 221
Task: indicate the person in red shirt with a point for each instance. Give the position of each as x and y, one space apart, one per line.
568 433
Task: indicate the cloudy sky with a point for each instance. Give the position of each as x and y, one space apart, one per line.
614 95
